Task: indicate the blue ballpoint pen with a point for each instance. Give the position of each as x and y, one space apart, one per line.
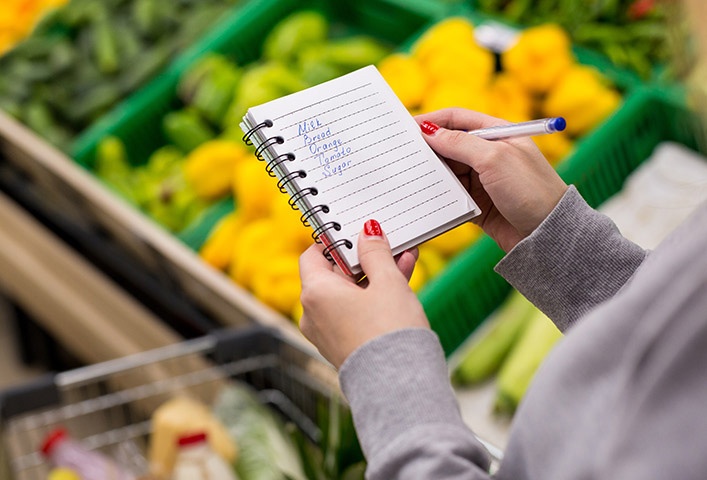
523 129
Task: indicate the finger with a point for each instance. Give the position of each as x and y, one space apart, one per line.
459 146
375 255
460 119
406 262
312 263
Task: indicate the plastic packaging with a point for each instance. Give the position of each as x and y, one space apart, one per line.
197 461
64 451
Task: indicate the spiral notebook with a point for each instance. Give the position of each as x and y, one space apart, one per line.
346 151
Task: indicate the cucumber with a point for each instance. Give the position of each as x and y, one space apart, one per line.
486 354
519 369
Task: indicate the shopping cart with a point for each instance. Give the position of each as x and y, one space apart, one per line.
108 405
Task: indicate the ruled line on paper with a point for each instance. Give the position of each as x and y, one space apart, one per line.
388 205
422 217
332 109
368 172
425 215
327 124
322 101
371 185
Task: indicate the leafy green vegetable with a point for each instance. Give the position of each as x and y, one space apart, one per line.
266 451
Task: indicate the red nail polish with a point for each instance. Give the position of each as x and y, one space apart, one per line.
428 128
372 228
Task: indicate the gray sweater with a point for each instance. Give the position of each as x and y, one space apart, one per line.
622 396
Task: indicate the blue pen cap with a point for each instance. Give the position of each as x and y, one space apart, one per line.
556 124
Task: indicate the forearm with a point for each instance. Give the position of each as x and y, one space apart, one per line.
575 260
405 411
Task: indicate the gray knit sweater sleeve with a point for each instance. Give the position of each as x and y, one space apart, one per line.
405 411
575 260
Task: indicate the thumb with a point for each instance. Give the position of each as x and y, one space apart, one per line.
375 255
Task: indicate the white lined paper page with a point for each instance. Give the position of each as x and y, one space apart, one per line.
365 155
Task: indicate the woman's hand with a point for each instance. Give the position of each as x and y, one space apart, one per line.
510 180
341 315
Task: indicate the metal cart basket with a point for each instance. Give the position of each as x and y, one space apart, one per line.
108 405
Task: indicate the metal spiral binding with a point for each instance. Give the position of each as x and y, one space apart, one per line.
300 195
288 178
344 242
247 137
266 144
297 196
323 228
277 161
304 218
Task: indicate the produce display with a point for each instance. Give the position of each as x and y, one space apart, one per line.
237 437
631 33
537 77
18 18
86 56
158 187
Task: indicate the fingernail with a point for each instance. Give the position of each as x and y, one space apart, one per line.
372 228
428 128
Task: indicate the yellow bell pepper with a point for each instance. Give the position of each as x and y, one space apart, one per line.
406 77
509 100
276 283
218 248
469 65
209 167
258 244
453 31
455 94
254 191
582 97
539 58
289 225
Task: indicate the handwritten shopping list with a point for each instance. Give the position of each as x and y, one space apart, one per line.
365 156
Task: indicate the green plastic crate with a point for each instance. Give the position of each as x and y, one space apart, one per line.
458 301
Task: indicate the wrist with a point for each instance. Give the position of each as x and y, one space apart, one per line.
552 198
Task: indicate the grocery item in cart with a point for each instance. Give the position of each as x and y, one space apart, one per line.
265 449
63 474
196 460
180 416
64 451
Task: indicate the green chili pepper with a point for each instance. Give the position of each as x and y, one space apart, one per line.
186 129
294 33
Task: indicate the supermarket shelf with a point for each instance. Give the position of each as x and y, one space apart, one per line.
72 300
110 258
